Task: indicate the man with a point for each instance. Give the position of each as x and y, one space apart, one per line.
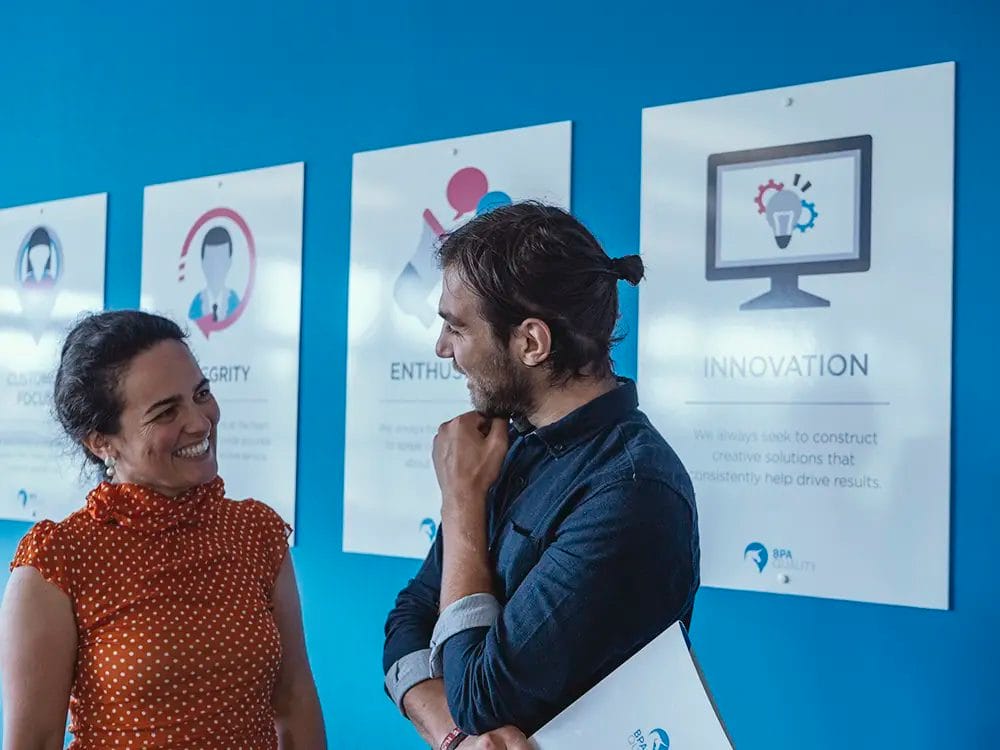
216 300
568 535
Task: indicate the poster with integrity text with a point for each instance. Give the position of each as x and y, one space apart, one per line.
222 256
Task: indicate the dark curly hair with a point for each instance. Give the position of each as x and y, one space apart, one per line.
530 260
95 354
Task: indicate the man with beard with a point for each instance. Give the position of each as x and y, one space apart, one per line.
568 535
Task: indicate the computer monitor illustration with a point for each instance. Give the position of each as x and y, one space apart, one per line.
787 211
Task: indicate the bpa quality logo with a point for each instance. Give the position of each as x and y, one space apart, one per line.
27 499
757 554
654 739
429 528
780 558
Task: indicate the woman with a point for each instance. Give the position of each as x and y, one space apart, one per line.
162 613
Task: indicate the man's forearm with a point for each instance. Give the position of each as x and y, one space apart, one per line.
466 566
427 708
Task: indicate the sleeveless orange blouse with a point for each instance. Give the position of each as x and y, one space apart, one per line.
177 644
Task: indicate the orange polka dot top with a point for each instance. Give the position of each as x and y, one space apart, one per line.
177 644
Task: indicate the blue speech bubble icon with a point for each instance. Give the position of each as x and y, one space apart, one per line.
493 199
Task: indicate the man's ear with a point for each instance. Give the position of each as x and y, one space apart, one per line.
531 342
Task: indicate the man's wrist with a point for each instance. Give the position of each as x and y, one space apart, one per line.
464 502
454 738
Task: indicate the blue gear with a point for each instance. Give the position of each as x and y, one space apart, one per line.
811 207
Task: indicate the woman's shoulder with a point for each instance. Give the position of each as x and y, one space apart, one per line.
252 511
52 547
68 531
268 531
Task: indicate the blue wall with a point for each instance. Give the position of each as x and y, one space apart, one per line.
113 100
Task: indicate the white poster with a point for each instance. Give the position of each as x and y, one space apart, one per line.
53 273
222 256
404 201
795 333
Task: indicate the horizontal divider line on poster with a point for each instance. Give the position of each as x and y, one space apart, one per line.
423 401
787 403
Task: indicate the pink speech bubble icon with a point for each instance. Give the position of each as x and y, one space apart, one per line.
465 189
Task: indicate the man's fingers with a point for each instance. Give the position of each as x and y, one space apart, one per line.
516 740
498 433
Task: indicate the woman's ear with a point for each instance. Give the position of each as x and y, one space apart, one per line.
98 444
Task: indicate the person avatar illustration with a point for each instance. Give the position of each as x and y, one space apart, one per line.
37 274
39 268
216 300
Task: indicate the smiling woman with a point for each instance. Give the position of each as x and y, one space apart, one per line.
161 614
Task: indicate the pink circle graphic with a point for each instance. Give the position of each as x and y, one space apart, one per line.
205 323
466 188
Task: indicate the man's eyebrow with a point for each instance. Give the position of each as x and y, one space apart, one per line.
450 318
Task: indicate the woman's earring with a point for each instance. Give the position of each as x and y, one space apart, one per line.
109 467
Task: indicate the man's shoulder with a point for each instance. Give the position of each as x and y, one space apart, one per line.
634 450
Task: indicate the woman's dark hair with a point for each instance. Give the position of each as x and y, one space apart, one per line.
95 354
529 260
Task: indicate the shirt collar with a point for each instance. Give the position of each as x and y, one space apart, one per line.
148 512
582 423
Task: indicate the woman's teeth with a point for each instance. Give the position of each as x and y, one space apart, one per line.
193 451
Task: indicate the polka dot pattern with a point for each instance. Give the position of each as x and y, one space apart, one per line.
177 643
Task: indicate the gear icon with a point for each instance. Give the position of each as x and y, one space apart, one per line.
811 208
762 191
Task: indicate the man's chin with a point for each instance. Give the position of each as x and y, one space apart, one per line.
492 411
487 409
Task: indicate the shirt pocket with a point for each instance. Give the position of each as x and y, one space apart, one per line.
519 551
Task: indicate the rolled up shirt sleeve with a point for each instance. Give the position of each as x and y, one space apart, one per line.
470 612
619 571
405 673
408 629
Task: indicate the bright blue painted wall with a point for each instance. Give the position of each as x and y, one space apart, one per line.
111 97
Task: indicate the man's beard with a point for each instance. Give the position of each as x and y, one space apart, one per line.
502 389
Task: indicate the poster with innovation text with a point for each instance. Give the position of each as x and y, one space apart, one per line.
795 331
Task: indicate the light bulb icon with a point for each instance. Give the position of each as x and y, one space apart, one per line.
782 213
783 209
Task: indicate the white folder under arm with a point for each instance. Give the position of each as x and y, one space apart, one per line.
657 700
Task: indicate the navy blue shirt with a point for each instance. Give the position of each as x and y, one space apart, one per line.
594 545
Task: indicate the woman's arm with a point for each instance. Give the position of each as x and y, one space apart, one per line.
298 717
37 659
